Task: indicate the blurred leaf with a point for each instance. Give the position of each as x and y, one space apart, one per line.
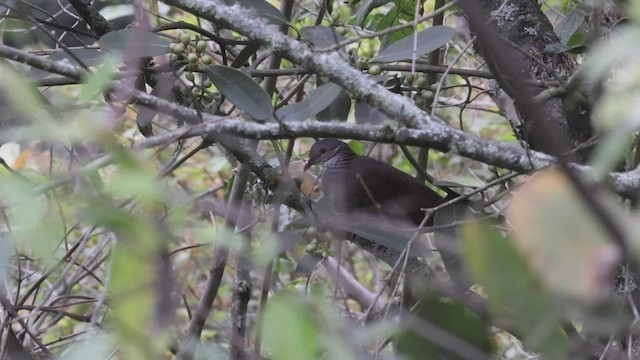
609 152
453 320
428 40
276 243
7 248
291 333
89 57
512 291
605 56
241 91
316 101
307 264
97 82
34 228
365 8
356 146
472 182
135 178
562 239
134 43
262 9
131 290
97 347
617 109
448 238
367 114
569 25
20 94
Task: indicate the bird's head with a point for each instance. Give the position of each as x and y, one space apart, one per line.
323 150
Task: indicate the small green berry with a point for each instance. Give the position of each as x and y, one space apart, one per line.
196 91
207 83
189 76
201 46
375 70
341 30
311 232
335 15
421 102
178 49
362 63
173 57
185 39
206 59
311 247
409 77
192 57
427 95
421 82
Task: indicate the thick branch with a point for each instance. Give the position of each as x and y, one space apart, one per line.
435 135
329 64
522 27
91 16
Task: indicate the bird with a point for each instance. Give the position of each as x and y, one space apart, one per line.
369 194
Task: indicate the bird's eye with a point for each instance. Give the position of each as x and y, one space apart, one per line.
323 150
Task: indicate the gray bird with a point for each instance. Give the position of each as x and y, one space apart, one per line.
370 195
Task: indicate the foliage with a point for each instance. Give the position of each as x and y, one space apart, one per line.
149 211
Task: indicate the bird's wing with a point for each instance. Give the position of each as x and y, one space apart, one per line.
397 193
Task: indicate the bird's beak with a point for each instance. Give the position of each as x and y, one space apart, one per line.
310 163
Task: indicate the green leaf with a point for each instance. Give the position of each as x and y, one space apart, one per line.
569 25
338 110
513 293
609 152
307 264
366 7
563 241
621 45
245 54
448 237
262 9
318 100
97 82
134 43
241 91
428 40
391 18
291 333
456 322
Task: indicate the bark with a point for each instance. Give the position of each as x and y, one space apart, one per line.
521 25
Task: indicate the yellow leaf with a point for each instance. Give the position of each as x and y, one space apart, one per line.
561 238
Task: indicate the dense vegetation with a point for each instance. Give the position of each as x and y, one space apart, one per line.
153 202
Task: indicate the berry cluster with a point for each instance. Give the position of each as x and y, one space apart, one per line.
193 52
